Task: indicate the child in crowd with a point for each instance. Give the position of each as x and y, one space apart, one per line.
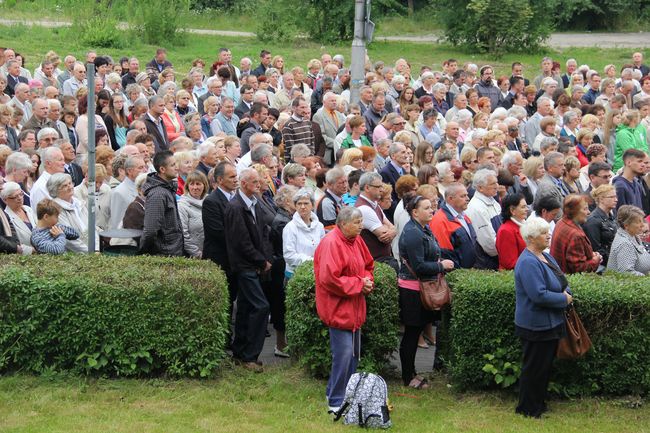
49 237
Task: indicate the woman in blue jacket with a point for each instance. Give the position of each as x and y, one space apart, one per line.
542 295
420 253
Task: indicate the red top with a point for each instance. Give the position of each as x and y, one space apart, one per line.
340 265
509 244
581 157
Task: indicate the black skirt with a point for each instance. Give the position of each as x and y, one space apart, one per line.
411 311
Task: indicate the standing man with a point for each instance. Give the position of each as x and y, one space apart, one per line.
265 61
53 162
343 269
485 213
378 233
77 81
487 88
298 128
154 124
123 194
250 254
226 120
258 115
158 64
213 216
329 120
162 233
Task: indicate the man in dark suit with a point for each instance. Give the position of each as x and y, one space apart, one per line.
154 123
213 214
214 89
69 155
396 167
246 103
13 77
250 254
265 62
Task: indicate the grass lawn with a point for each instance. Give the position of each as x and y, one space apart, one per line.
282 399
34 42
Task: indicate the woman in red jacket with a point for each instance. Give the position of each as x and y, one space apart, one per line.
510 244
343 269
570 246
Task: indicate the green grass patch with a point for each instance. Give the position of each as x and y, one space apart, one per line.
280 400
34 42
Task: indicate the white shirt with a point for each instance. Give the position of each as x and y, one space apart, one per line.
39 191
370 220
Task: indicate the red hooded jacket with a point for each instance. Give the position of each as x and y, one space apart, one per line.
340 265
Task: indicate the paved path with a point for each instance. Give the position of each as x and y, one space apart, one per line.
423 360
557 40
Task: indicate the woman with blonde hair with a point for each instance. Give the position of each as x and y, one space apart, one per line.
601 224
571 175
534 171
608 134
186 162
171 119
352 159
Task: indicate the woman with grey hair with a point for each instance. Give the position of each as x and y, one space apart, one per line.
302 234
542 294
17 169
73 214
627 254
294 174
20 215
275 292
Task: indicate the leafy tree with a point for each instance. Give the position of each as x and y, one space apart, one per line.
496 26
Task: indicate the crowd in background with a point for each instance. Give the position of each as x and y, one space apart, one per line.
251 165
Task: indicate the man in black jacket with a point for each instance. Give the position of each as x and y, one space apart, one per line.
250 255
213 215
154 123
162 233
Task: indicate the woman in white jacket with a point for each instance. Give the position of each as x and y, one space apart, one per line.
73 214
302 234
190 209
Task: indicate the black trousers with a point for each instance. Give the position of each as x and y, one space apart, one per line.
408 348
251 319
274 289
535 375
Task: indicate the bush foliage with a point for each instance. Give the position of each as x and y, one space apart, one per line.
615 310
309 338
496 26
112 316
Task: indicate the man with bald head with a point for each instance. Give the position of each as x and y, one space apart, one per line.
68 62
637 61
21 100
460 103
53 162
329 120
39 119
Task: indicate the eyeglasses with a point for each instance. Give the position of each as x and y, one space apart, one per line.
605 176
376 186
15 197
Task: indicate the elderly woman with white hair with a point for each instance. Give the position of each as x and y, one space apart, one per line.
542 295
464 120
17 169
628 254
73 214
20 215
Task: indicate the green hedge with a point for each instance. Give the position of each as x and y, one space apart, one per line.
614 308
113 316
308 337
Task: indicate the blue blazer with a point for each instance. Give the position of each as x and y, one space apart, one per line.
540 303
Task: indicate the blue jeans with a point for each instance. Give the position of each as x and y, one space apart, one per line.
346 351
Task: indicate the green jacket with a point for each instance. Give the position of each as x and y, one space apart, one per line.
348 143
628 138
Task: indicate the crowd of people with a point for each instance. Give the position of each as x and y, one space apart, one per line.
261 168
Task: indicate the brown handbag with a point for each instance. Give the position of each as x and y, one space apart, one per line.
434 294
577 342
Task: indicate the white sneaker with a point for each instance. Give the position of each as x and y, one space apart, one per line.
333 409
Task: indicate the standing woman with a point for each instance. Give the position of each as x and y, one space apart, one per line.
406 98
423 155
116 121
419 249
190 208
542 294
171 119
601 225
608 138
509 243
570 246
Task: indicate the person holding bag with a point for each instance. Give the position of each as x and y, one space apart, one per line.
542 296
420 255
